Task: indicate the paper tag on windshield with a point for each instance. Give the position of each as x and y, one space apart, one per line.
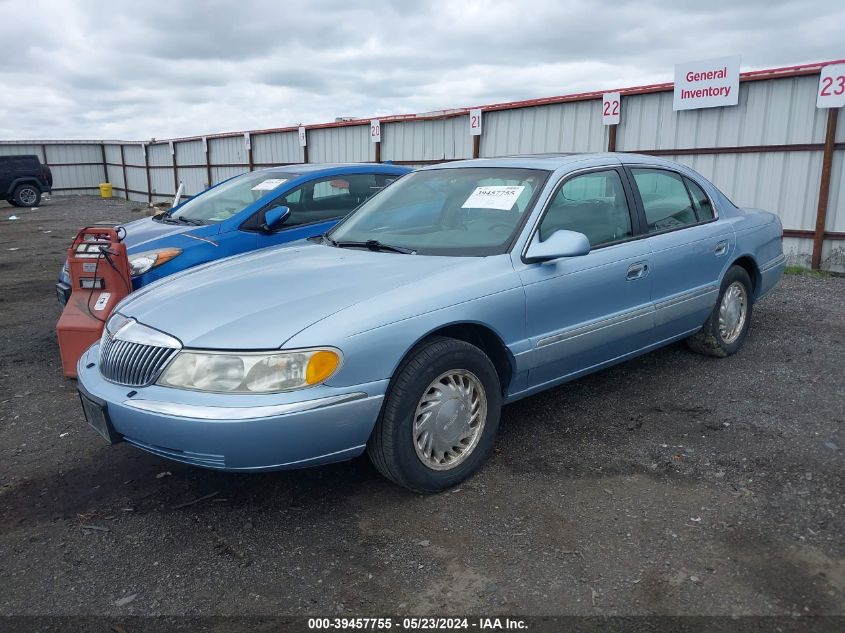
500 197
270 183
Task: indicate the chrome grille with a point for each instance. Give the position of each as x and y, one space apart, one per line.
129 362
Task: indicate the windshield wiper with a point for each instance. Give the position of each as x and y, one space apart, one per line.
373 245
193 221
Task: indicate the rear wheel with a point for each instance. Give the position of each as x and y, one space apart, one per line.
439 418
727 326
12 202
27 196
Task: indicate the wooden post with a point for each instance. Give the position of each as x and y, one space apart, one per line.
207 165
611 138
44 152
123 166
147 169
175 171
824 187
476 146
105 167
378 151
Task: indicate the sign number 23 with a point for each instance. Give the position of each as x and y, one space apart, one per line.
831 87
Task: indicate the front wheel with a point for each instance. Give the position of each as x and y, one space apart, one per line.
439 418
727 326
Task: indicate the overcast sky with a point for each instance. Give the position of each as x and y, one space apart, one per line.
150 68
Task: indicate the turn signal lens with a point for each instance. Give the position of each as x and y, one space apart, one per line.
320 366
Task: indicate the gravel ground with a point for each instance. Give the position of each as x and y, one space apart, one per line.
671 484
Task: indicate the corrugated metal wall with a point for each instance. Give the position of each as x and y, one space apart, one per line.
776 130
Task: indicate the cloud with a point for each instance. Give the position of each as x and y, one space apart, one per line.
134 70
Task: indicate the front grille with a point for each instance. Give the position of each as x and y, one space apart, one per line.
132 364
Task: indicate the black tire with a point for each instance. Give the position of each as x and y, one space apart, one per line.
24 193
391 447
12 202
710 340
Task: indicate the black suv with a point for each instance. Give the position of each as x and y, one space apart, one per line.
23 179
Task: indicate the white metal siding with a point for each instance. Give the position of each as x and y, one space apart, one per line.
194 178
134 155
62 154
219 174
113 154
564 127
340 144
9 150
426 140
771 112
161 181
228 150
115 177
277 148
159 155
189 153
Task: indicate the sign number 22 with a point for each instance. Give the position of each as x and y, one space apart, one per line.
611 108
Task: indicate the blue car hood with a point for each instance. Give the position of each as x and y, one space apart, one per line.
141 233
262 299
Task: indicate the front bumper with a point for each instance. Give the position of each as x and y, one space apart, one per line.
235 432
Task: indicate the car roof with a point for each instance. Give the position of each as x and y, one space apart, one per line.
554 161
332 168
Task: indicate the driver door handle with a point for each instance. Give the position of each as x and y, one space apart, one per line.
637 271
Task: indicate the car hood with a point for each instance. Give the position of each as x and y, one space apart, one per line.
141 234
262 299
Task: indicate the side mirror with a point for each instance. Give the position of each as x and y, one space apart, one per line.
275 217
559 244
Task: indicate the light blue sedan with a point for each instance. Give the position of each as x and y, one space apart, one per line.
404 329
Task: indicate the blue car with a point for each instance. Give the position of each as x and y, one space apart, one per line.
404 329
232 217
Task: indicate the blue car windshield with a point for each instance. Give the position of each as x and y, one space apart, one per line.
232 196
465 211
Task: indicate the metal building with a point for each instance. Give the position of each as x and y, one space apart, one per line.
775 149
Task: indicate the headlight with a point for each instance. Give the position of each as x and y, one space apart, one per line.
251 372
139 263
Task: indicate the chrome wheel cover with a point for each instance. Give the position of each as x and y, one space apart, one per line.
28 195
733 311
449 419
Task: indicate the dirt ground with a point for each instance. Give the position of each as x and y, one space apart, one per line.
672 484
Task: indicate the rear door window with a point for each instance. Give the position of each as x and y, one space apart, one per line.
26 164
700 201
666 201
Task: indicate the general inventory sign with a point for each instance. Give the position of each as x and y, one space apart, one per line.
708 83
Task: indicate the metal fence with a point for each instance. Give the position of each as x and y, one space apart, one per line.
774 150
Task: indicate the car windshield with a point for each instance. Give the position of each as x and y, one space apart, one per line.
230 197
463 211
